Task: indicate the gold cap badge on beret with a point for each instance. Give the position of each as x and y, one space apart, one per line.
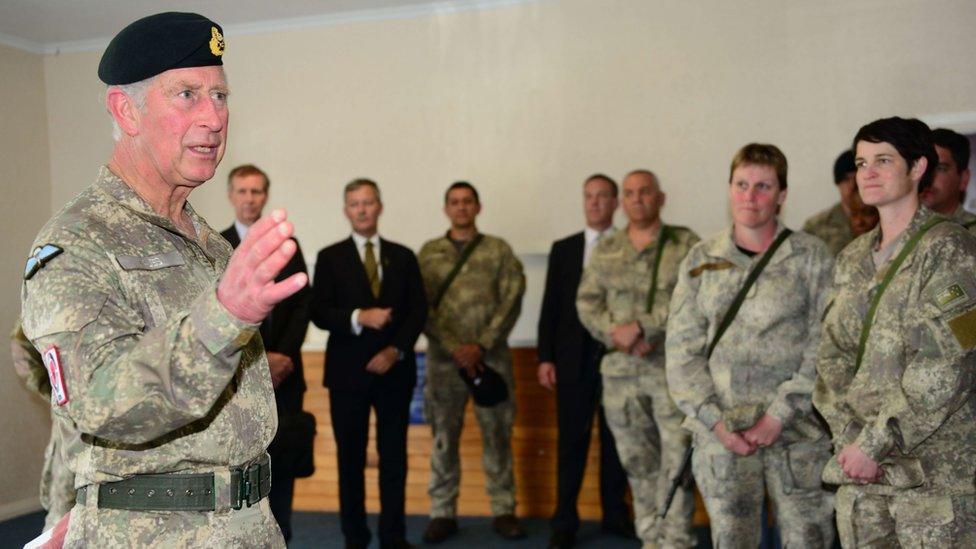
216 42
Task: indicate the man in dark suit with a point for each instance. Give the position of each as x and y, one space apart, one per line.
369 295
283 332
569 363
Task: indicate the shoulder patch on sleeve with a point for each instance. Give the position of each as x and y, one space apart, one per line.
38 259
964 329
52 362
949 295
716 266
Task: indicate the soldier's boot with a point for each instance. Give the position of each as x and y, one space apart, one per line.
508 527
439 529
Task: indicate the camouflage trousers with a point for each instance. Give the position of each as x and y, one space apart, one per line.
445 397
57 483
646 427
906 520
734 487
250 527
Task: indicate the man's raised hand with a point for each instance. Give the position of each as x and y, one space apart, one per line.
248 288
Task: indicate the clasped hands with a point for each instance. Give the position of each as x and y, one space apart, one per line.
763 433
629 338
858 465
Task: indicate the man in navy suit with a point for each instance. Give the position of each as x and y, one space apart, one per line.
569 363
369 295
283 332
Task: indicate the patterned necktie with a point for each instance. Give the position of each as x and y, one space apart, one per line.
372 273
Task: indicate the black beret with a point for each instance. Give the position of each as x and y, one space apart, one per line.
161 42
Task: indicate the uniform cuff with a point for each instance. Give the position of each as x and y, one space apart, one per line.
875 443
220 332
781 410
709 414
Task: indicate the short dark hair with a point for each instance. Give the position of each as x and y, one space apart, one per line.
602 177
843 166
911 137
956 143
245 170
360 182
462 185
761 154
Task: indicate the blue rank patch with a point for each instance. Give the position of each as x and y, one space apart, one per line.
39 258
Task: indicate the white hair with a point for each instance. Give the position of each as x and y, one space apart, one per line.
136 91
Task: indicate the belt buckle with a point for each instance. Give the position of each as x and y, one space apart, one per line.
252 477
248 486
243 495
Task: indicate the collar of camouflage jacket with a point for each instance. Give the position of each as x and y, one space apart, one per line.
724 248
867 243
121 193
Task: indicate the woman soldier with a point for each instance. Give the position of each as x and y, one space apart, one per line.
741 357
896 369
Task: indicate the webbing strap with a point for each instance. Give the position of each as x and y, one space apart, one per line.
741 296
465 254
662 239
889 275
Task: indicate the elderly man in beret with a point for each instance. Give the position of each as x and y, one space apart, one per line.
146 321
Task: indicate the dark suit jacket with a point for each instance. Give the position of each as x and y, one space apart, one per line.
284 330
341 286
562 339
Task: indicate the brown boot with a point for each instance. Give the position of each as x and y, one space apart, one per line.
508 527
439 529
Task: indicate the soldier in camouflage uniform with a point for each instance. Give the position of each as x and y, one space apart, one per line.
468 328
833 224
57 481
146 322
623 302
947 192
748 404
896 379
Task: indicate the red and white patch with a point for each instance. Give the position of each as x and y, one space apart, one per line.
52 361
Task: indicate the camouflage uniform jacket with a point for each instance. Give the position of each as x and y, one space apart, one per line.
766 361
614 290
965 218
160 377
28 365
833 227
911 405
482 303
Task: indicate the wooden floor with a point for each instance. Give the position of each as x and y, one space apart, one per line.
533 446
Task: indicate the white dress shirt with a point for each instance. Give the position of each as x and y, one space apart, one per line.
360 242
241 229
592 237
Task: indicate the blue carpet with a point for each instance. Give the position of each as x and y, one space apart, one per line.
321 530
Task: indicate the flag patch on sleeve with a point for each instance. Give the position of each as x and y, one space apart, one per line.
52 362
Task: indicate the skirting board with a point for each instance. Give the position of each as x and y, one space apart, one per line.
18 508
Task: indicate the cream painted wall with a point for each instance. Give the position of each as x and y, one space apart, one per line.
527 100
24 418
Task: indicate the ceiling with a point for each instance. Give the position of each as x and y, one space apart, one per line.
49 26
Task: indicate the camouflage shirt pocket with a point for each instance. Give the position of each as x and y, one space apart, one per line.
805 465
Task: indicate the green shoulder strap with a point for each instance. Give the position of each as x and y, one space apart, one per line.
465 254
889 275
662 239
741 296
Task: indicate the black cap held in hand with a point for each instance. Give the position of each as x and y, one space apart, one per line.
488 389
161 42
